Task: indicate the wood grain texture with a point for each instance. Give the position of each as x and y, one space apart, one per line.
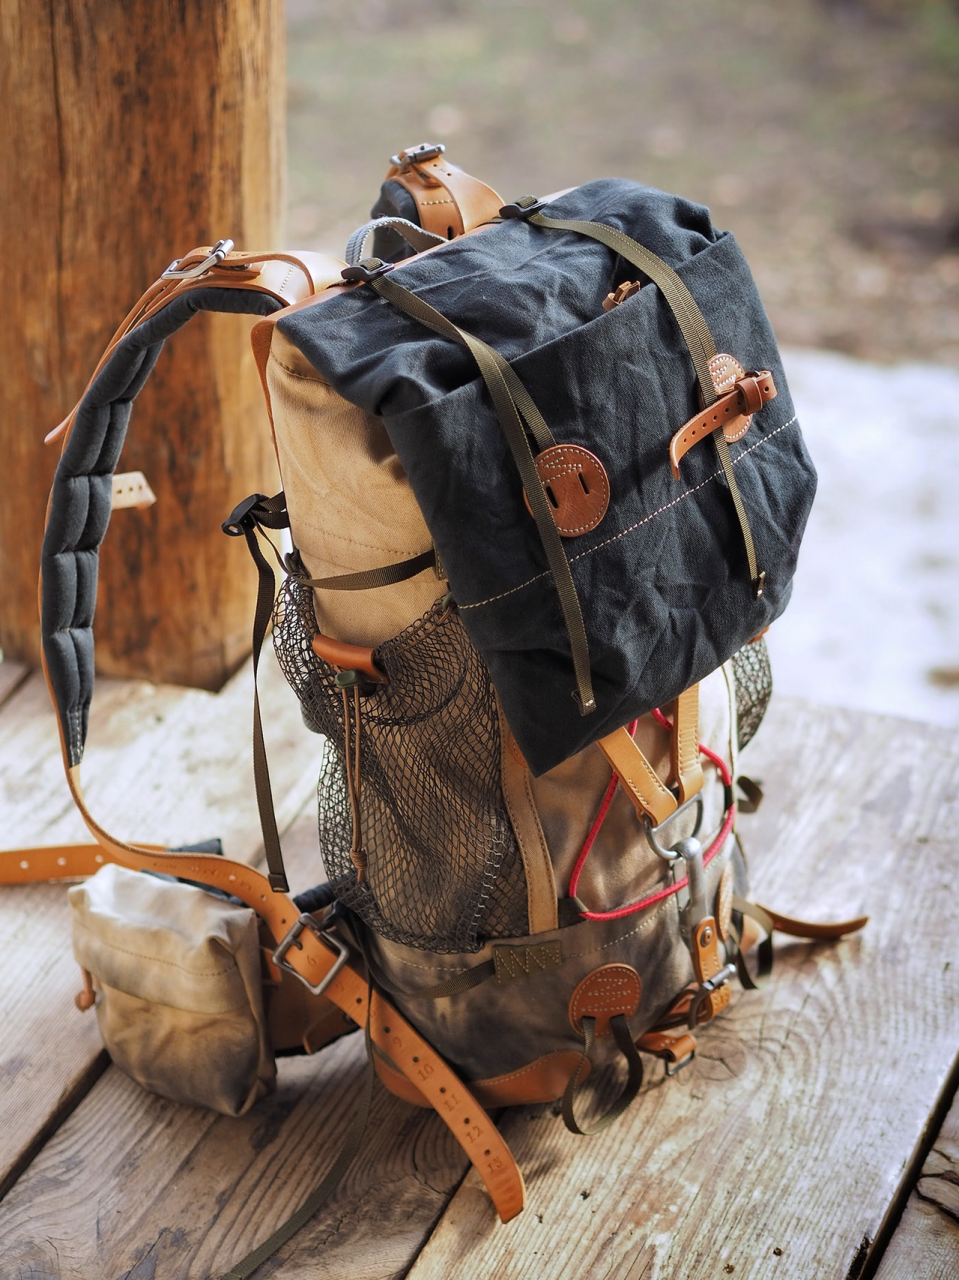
12 675
142 132
164 765
926 1242
134 1186
781 1148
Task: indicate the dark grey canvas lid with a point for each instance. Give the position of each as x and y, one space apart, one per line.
662 580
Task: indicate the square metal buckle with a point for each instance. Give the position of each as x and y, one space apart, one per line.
321 930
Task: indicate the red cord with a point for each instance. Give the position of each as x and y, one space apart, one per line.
714 848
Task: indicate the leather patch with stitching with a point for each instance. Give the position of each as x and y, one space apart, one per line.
608 990
577 488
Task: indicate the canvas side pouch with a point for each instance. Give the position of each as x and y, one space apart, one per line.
179 987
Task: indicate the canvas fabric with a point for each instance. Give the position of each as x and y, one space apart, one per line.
666 593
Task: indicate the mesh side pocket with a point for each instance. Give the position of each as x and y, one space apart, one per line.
444 870
753 678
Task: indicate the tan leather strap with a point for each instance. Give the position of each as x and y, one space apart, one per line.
288 278
312 960
686 768
799 928
732 413
448 201
649 795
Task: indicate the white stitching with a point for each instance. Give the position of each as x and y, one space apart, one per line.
633 527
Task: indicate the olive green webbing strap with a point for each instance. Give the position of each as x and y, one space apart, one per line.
634 1079
348 1152
696 335
501 382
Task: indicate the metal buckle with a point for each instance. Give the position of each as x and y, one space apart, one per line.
321 930
674 1068
419 154
217 254
708 987
652 833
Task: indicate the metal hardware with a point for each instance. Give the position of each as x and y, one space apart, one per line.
419 154
321 930
365 271
217 254
674 1068
691 852
653 833
705 991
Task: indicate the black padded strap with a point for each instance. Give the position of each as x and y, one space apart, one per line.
81 496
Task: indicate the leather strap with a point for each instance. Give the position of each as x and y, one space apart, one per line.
650 797
449 201
731 413
686 768
312 961
286 277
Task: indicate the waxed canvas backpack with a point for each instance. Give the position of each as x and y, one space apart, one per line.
545 489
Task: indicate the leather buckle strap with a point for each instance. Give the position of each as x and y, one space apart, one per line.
215 257
322 929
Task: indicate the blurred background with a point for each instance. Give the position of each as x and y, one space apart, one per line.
824 134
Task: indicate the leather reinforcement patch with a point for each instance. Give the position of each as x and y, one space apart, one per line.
577 488
526 960
608 990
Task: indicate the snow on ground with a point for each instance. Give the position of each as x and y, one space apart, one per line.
874 617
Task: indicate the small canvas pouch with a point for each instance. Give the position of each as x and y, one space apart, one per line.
179 987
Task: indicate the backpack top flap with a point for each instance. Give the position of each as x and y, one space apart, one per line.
662 578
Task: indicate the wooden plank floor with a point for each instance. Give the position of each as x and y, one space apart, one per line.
792 1139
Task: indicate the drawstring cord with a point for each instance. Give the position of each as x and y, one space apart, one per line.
354 778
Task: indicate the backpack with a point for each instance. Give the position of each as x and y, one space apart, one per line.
545 489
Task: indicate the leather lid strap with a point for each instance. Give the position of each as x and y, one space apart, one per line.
449 201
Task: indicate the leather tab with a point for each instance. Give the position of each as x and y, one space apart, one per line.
816 932
649 796
685 766
607 991
348 657
671 1046
447 199
576 486
732 412
707 962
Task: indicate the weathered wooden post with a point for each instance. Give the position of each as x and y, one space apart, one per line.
136 131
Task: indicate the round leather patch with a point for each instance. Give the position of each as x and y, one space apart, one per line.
725 370
608 990
724 902
577 488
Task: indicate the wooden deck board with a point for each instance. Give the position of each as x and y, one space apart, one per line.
926 1242
164 765
790 1132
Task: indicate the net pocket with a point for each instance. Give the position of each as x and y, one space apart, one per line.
443 868
753 678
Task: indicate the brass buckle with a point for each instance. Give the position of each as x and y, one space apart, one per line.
321 930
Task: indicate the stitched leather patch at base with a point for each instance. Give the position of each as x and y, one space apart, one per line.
577 487
608 990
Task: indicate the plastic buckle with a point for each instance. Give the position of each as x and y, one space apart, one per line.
239 519
419 154
365 271
321 931
523 208
217 254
